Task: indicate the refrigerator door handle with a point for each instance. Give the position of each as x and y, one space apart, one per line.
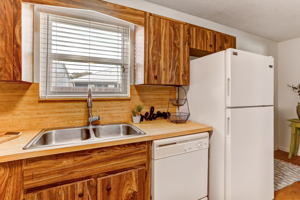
228 87
228 126
228 157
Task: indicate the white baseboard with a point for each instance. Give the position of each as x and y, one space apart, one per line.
282 148
287 149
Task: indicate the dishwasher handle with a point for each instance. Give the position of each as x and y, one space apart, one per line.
167 144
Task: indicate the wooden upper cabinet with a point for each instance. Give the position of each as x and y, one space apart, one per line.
81 190
128 185
10 40
224 41
202 41
166 51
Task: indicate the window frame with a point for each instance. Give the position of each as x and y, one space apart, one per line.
81 15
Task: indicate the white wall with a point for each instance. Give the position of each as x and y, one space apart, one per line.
245 41
288 73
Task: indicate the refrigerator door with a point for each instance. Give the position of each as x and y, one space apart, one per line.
249 79
249 171
206 97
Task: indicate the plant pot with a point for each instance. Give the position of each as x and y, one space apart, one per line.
136 119
298 110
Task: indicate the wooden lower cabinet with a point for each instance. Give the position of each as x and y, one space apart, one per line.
11 179
129 185
81 190
111 173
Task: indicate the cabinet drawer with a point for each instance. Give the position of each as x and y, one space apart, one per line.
71 166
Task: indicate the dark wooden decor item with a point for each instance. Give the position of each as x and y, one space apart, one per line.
153 116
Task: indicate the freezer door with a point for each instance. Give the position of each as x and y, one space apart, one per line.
249 154
249 79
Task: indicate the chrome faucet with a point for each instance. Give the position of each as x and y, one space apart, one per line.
90 107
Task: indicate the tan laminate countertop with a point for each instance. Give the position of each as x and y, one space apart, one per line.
159 129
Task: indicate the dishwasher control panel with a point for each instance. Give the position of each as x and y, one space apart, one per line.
196 145
180 145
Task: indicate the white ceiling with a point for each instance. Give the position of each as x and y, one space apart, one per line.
278 20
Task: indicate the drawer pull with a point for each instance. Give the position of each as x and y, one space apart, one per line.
80 195
108 188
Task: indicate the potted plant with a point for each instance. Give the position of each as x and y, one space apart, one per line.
136 114
296 89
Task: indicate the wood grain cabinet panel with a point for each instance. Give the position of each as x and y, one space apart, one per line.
167 51
224 41
61 168
112 173
81 190
6 40
202 41
129 185
11 181
10 40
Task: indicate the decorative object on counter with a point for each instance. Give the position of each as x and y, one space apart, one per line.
179 116
153 116
136 114
296 89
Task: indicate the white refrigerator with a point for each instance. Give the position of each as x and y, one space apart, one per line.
233 91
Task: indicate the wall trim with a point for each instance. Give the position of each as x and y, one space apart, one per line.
287 149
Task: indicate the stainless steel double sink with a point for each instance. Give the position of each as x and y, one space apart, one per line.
51 138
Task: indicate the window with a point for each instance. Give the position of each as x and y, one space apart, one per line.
77 53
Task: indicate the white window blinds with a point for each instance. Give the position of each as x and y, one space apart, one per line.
76 54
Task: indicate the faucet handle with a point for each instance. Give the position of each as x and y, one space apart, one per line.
93 119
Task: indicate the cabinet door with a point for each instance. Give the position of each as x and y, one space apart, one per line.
6 40
82 190
224 41
129 185
167 52
201 39
11 179
10 40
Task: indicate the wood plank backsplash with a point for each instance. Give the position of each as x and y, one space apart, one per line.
20 108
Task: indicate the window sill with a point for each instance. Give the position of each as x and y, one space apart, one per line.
84 99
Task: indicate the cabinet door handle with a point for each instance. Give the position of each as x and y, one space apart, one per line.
155 77
108 188
80 195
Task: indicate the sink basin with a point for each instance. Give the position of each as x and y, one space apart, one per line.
82 135
115 131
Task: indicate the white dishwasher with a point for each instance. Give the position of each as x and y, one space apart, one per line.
180 168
